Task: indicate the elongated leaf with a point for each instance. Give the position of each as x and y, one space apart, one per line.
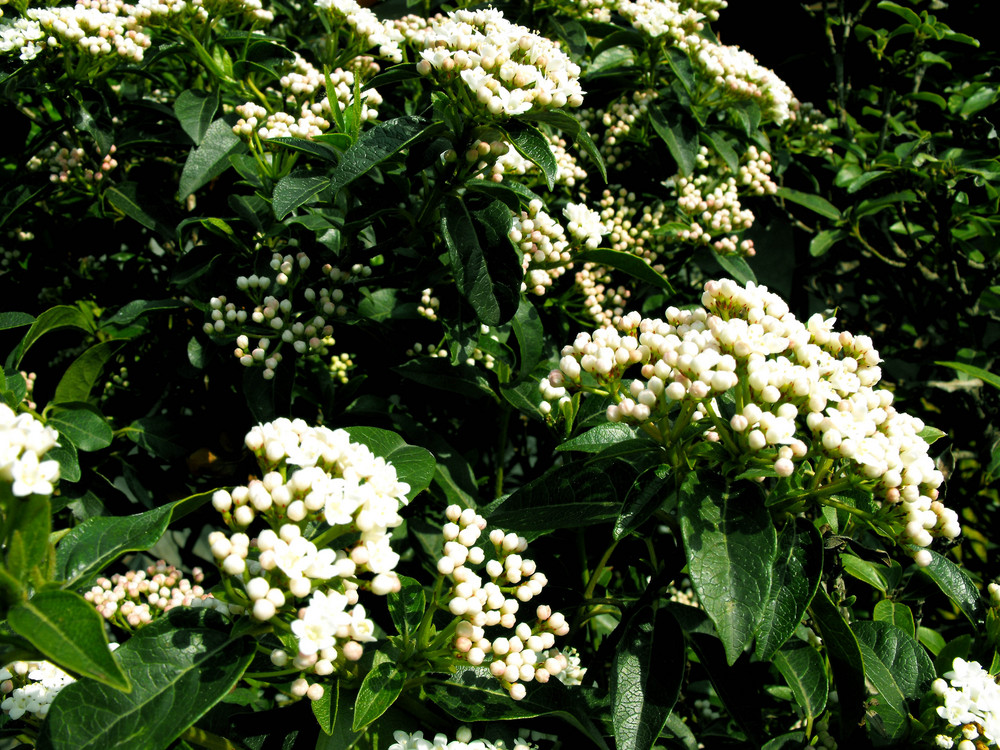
28 523
296 190
628 263
730 545
179 666
413 465
652 491
814 203
976 372
646 676
566 496
598 438
865 571
736 266
381 686
569 125
527 328
897 614
10 320
69 461
137 308
195 109
210 158
679 135
845 661
83 424
378 144
534 146
406 606
125 197
804 671
823 241
308 146
79 379
52 319
955 584
797 569
461 379
67 629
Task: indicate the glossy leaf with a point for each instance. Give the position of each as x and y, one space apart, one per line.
897 614
125 197
527 328
596 439
814 203
83 424
27 525
180 666
803 669
865 571
406 606
845 660
10 320
680 136
627 263
414 465
651 492
976 372
80 377
955 584
736 267
823 241
138 308
62 316
381 686
376 145
210 158
296 190
730 544
534 146
195 109
646 675
797 568
67 629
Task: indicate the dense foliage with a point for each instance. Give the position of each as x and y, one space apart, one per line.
542 373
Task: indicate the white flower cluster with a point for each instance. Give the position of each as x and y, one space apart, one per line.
366 26
302 324
971 700
23 443
664 18
804 389
602 301
512 581
510 162
24 36
88 30
30 687
137 597
166 13
545 251
711 197
507 69
585 224
463 741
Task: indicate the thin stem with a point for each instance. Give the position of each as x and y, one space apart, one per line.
201 738
595 576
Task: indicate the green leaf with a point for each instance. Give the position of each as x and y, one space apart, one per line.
798 565
897 614
905 13
180 666
378 144
10 320
865 571
406 606
137 308
67 629
718 143
956 585
650 493
381 686
845 660
52 319
813 202
401 72
566 496
633 265
325 709
534 146
473 262
569 125
83 424
81 376
296 190
598 438
527 327
28 523
461 379
69 461
413 465
788 741
976 372
805 672
823 241
210 158
156 435
898 668
317 149
124 197
730 544
980 100
932 640
195 109
736 266
646 675
679 135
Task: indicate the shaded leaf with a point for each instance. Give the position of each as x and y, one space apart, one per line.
295 190
896 614
956 585
195 109
804 671
814 203
81 376
534 146
379 690
598 438
376 145
406 606
210 158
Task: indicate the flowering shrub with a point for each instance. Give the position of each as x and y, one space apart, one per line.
413 376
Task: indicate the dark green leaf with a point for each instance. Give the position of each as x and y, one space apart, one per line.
124 197
83 424
905 13
52 319
67 629
296 190
402 72
534 146
813 202
721 146
789 741
976 372
461 379
633 265
680 136
797 569
210 158
180 666
736 266
195 109
406 606
307 146
530 336
823 241
650 493
569 125
895 613
598 438
138 308
158 436
730 544
863 570
378 144
81 376
845 660
413 465
646 675
381 686
10 320
28 523
69 461
955 584
804 671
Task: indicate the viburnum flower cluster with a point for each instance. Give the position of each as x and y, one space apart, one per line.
67 164
29 687
796 389
364 27
619 119
970 700
526 652
504 68
283 318
463 741
137 597
24 441
312 477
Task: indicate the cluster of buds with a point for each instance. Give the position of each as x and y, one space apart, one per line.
970 705
139 596
603 302
799 390
511 581
429 305
545 251
307 330
24 441
711 199
89 32
675 23
504 69
29 687
633 227
177 13
463 741
619 120
510 162
66 164
363 27
312 477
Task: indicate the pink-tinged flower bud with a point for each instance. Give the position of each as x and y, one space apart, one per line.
353 651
